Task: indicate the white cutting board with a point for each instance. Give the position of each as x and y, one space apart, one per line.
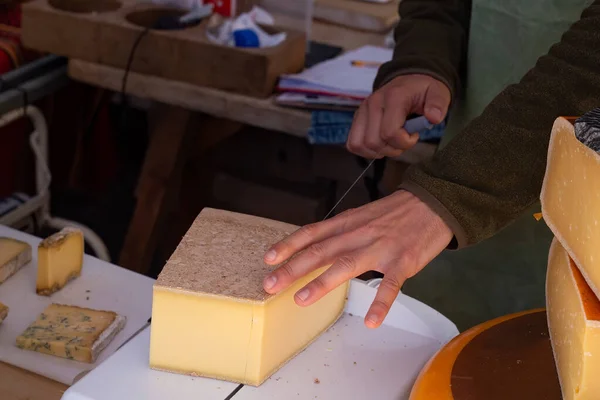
387 359
110 288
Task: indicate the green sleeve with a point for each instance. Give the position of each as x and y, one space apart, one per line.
431 38
489 174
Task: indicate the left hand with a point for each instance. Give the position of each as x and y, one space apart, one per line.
397 236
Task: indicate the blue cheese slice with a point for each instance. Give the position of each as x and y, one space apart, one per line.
14 254
71 332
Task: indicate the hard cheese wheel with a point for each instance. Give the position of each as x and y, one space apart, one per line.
506 358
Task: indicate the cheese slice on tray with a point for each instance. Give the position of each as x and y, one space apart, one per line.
574 324
3 312
60 259
14 254
210 314
570 196
71 332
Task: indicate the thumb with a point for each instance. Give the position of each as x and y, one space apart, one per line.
437 101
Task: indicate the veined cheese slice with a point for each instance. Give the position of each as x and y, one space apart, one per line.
570 199
71 332
3 312
210 314
574 324
60 259
14 254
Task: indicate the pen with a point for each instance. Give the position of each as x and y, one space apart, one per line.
360 63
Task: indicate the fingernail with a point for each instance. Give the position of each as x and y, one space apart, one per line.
271 255
436 114
270 282
303 294
373 319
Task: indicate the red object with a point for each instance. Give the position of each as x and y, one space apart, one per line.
226 8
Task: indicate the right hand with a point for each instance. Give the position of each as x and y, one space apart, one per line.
377 128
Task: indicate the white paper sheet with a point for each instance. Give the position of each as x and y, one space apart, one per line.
349 361
101 286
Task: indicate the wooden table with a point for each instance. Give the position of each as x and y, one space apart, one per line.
18 384
184 108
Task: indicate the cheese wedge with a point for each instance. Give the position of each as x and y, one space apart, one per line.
14 254
574 324
60 259
210 314
71 332
570 199
3 312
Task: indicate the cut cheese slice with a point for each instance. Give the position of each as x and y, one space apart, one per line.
71 332
574 324
60 259
14 254
210 314
570 199
3 312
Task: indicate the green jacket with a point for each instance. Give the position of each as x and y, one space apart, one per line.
492 171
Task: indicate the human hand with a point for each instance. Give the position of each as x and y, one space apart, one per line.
397 236
377 128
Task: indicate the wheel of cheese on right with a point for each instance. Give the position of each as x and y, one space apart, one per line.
573 312
570 195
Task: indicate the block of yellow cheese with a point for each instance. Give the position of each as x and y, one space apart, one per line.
14 254
210 314
574 324
3 312
71 332
570 199
60 259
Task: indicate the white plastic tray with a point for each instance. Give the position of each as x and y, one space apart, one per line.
349 361
101 286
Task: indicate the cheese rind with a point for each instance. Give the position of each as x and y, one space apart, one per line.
232 330
14 254
3 312
71 332
570 199
574 324
60 260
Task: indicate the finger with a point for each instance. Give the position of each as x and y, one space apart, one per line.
316 256
347 266
437 101
317 232
357 130
397 106
372 141
386 295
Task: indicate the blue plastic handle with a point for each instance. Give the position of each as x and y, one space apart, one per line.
417 125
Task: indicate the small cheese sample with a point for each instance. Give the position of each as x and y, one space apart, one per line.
71 332
60 259
210 314
3 312
570 199
14 254
574 324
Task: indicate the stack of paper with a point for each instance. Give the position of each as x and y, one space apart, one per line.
349 76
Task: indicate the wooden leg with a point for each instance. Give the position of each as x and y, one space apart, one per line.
157 185
176 133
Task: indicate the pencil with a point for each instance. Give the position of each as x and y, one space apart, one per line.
360 63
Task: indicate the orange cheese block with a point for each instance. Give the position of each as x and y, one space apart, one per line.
570 199
574 325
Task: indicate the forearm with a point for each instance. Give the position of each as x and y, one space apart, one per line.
431 39
491 172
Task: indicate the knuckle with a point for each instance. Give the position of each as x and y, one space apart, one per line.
408 260
380 304
391 283
352 146
318 284
368 230
309 231
287 270
347 263
316 250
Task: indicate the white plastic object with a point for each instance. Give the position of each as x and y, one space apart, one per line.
40 203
